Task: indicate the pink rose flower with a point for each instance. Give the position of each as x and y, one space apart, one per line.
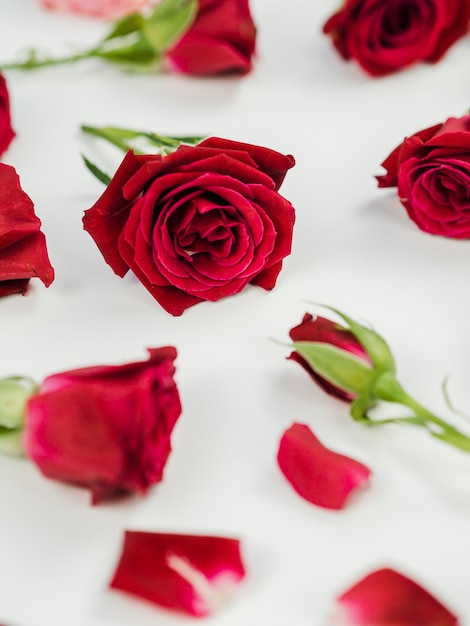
319 475
221 40
23 252
384 36
6 131
387 598
198 224
432 172
97 8
192 574
106 428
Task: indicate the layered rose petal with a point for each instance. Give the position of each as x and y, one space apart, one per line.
323 330
107 428
198 224
6 131
321 476
387 598
384 36
193 574
97 8
432 172
23 252
221 40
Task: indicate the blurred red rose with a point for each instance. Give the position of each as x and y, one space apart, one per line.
198 224
97 8
108 427
384 36
221 40
432 172
23 252
6 131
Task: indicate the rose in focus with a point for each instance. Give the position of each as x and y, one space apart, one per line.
97 8
431 170
23 252
198 224
325 331
106 428
6 131
221 40
384 36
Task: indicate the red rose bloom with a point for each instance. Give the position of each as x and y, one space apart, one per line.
23 252
107 428
6 131
384 36
198 224
432 172
221 40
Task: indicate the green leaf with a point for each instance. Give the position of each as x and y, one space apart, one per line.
127 25
341 368
14 393
168 22
95 170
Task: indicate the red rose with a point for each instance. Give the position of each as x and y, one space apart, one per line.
6 131
221 40
432 172
323 330
107 428
198 224
384 36
23 253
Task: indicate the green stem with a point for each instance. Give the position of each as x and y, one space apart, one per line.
33 63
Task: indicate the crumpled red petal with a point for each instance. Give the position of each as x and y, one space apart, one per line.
321 476
387 598
193 574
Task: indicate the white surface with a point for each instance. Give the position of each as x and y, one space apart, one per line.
354 248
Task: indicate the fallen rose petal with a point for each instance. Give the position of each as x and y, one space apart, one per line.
319 475
23 252
190 573
97 8
387 598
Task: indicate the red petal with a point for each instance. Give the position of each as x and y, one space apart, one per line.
319 475
193 574
387 598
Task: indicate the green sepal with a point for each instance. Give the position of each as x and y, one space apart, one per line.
340 368
14 394
125 26
168 22
375 346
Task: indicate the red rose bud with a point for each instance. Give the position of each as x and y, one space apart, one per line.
107 427
6 131
384 37
386 597
344 361
432 172
355 364
23 252
198 224
201 37
187 573
319 475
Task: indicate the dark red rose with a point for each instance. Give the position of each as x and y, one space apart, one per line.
108 427
198 224
6 131
384 36
323 330
432 172
221 40
23 252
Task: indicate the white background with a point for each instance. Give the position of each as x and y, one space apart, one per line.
354 248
